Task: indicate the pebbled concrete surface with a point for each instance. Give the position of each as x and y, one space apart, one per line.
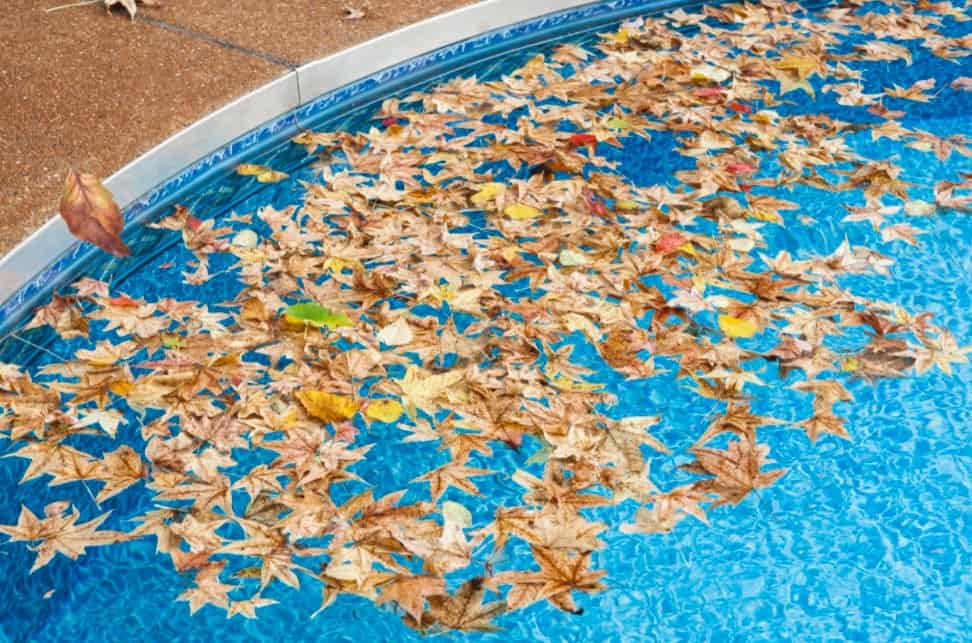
84 88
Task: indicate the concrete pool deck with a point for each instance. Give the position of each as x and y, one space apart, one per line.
82 88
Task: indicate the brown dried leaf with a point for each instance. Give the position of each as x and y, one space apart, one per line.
91 213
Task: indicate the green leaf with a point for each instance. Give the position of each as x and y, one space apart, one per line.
316 315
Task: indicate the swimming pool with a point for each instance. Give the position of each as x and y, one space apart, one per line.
548 278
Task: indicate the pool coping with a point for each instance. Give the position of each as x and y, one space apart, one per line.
43 261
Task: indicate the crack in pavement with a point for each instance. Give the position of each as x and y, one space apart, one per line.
226 44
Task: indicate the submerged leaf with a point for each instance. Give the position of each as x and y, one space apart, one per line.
262 173
387 411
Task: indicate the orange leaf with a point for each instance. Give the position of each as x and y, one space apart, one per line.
91 213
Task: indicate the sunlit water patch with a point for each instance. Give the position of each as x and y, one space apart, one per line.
659 333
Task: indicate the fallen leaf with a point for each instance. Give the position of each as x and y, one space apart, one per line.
736 327
519 212
398 333
351 13
326 406
262 173
91 213
384 410
316 315
456 513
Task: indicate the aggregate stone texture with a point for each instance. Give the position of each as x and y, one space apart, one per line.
93 90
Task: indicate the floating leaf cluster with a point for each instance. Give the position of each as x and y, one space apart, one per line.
438 281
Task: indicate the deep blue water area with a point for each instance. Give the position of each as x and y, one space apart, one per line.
867 539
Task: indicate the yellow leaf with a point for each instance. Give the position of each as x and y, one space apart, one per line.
384 410
621 36
336 265
510 253
772 217
802 66
788 85
626 204
520 211
618 123
327 407
487 192
565 383
263 173
121 388
736 327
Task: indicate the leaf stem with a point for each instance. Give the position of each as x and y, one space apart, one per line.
83 3
37 346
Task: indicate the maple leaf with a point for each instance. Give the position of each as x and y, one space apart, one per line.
823 421
667 510
464 610
455 475
941 351
131 6
60 533
208 589
560 574
737 419
410 592
247 608
421 391
91 213
119 469
737 470
275 554
915 92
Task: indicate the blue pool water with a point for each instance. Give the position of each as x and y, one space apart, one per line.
862 539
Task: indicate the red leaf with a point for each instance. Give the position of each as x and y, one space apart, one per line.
740 168
708 92
578 140
736 106
669 242
596 205
193 222
91 213
123 301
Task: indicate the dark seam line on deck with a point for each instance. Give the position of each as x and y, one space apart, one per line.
255 53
